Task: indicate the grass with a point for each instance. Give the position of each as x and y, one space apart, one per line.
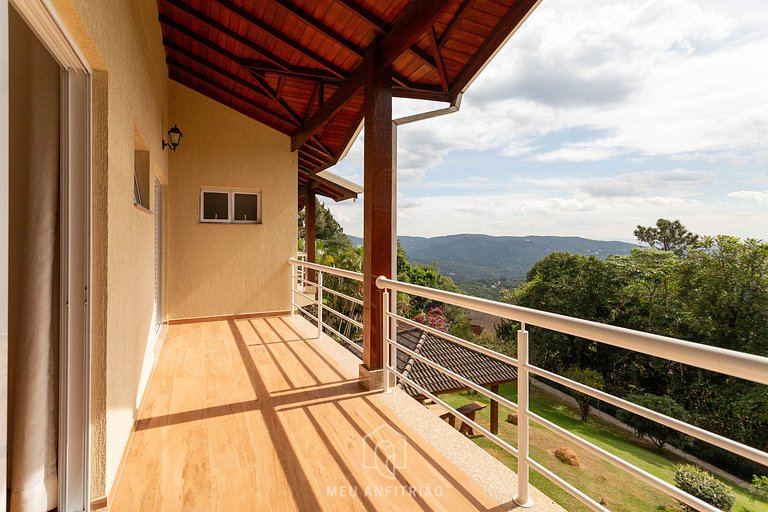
604 482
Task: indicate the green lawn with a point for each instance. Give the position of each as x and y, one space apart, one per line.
604 482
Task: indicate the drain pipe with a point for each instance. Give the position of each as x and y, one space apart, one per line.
454 106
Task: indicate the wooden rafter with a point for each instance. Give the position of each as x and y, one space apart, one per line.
225 90
346 91
212 23
421 94
382 27
319 27
260 87
260 82
419 15
312 159
451 24
438 59
284 39
270 59
351 133
291 71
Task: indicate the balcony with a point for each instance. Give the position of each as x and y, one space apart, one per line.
261 414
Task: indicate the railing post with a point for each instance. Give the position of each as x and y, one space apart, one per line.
294 285
320 304
387 347
522 498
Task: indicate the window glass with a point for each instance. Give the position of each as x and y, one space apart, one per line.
215 206
246 207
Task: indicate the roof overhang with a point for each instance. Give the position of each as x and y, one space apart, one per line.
330 185
296 65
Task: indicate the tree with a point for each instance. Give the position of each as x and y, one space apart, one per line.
588 377
573 285
667 236
657 433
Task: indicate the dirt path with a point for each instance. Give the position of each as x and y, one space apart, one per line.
613 421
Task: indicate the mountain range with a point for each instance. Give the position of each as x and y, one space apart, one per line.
471 257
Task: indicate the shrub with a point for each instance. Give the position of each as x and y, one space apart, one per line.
760 483
591 378
699 483
657 433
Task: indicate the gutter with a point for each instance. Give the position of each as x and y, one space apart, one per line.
454 106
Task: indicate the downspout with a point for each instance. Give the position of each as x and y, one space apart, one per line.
454 106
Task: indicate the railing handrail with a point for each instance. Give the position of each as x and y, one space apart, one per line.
730 362
356 276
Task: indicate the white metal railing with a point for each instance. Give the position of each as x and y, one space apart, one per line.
299 286
729 362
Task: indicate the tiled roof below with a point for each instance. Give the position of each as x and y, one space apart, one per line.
478 368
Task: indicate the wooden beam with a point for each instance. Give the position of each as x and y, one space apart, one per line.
261 83
421 94
207 20
352 132
280 36
260 87
495 411
310 223
346 91
320 27
378 208
226 90
451 24
382 27
308 157
290 71
417 17
365 14
438 59
507 26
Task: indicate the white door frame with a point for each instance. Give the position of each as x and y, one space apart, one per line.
74 363
4 207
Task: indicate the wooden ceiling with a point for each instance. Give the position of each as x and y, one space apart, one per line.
296 65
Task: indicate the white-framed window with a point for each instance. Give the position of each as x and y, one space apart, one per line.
230 206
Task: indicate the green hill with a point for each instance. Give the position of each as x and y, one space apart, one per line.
472 257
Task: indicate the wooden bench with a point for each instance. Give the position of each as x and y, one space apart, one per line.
469 411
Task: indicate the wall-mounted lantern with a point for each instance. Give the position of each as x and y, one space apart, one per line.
175 135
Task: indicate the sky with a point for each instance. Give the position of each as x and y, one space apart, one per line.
597 116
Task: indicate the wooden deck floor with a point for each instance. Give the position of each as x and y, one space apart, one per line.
251 415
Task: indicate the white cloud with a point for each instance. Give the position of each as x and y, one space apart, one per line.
662 77
677 182
757 195
601 81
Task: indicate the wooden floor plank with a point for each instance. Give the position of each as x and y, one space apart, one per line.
249 414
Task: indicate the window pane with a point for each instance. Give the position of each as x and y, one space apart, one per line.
215 206
247 207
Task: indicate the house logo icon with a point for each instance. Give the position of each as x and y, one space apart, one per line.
384 449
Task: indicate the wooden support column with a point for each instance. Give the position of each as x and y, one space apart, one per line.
495 411
378 212
310 224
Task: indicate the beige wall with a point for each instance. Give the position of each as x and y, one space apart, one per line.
122 40
210 269
224 269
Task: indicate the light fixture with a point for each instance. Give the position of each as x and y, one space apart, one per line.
175 135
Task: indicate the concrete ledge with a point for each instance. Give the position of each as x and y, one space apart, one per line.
484 469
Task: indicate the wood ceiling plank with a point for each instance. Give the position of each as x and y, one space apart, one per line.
283 38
